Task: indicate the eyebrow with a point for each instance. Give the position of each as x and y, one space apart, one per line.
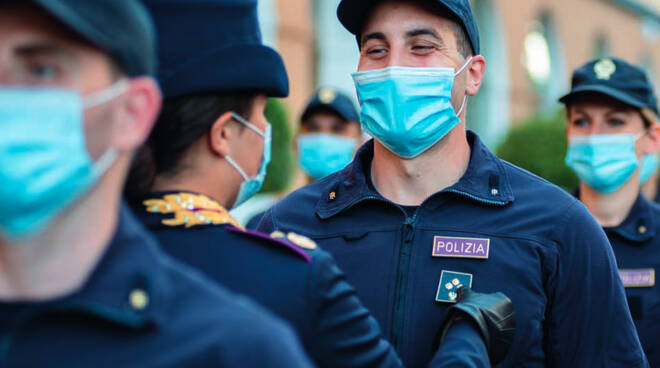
424 32
42 49
373 36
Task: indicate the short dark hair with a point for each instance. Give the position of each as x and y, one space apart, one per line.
182 121
463 44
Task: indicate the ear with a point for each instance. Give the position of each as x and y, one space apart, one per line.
141 104
475 75
653 141
221 134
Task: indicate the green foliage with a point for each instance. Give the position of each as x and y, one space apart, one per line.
539 145
280 170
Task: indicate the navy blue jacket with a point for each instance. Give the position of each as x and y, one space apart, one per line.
139 308
290 276
532 241
636 244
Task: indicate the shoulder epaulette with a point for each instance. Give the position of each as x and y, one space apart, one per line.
284 241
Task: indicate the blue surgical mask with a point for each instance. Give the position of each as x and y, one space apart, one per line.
408 110
44 163
251 186
322 154
603 162
648 168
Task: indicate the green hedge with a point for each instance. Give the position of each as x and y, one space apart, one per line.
280 170
539 145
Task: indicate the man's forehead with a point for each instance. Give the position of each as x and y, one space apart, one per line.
405 18
25 25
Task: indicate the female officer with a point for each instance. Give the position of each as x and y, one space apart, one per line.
209 151
612 124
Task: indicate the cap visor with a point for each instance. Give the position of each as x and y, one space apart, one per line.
607 91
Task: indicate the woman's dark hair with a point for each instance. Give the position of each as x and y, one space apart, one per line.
182 121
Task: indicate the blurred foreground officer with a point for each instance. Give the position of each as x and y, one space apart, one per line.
329 134
425 206
612 125
81 283
210 148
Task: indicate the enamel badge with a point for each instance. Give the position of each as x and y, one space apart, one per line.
450 281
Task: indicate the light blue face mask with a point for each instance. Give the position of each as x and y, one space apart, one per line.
251 186
648 168
44 163
603 162
322 154
407 109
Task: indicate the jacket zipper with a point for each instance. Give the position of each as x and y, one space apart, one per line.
405 252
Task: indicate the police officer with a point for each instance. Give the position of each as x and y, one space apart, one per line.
210 148
81 283
329 134
425 206
328 137
612 124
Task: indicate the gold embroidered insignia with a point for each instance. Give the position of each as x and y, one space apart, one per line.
301 241
278 235
604 69
190 210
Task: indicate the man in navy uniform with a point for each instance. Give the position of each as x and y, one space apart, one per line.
329 134
209 150
612 125
425 206
81 283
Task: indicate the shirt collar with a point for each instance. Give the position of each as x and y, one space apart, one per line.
127 287
640 224
485 181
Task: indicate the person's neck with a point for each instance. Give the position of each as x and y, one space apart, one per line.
59 261
650 188
611 209
202 182
410 182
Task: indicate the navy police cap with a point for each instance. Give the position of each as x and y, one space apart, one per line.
214 46
329 98
617 79
122 28
353 13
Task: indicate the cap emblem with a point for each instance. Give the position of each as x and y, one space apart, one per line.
327 95
604 69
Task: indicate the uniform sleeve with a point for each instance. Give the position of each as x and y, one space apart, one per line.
462 347
589 320
346 335
260 340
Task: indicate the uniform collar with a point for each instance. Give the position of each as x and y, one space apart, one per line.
485 181
640 224
182 209
127 287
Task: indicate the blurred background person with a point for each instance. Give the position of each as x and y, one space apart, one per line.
612 116
329 134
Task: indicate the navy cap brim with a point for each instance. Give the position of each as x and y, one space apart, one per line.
229 72
605 90
313 108
72 19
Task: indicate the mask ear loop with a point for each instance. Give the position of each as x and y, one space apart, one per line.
465 97
105 95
